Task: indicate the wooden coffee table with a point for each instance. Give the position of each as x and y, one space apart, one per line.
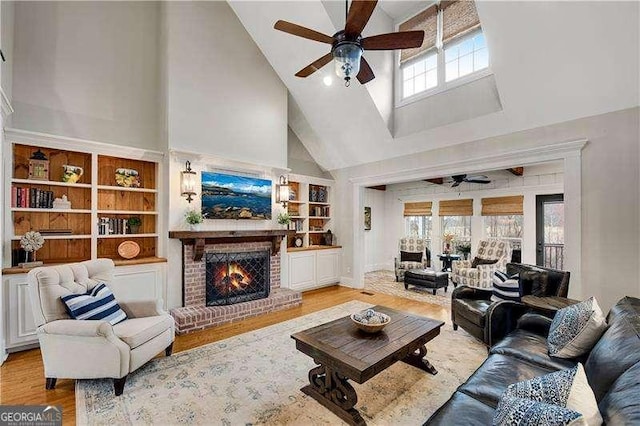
343 352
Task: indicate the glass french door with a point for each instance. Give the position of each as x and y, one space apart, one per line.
550 231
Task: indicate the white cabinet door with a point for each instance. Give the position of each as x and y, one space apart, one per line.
22 328
302 270
327 266
140 282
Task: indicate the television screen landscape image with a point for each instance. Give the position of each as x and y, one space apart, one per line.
226 196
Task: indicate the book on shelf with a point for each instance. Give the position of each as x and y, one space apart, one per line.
112 226
32 198
55 231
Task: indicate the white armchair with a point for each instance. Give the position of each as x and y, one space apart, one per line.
481 277
84 349
412 245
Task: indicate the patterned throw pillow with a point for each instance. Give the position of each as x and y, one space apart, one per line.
521 411
566 388
575 329
408 256
506 287
96 304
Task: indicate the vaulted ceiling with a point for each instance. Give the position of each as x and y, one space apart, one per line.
552 62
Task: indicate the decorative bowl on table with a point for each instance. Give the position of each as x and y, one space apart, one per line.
370 321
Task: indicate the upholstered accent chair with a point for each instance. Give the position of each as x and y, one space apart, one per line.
412 245
462 272
91 349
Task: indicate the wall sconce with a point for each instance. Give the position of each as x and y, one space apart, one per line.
282 191
188 182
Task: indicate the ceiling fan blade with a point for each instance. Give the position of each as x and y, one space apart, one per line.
359 14
401 40
315 66
456 183
483 181
482 178
366 74
301 31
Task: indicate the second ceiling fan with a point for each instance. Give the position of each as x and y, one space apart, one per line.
348 45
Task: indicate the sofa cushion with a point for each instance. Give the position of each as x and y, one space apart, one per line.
96 304
616 351
505 287
621 405
521 411
497 372
473 310
532 348
462 406
575 329
137 331
407 256
567 388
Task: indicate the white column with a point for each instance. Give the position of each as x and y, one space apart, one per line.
477 228
529 229
436 236
573 223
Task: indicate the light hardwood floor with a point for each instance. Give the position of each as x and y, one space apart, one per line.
22 376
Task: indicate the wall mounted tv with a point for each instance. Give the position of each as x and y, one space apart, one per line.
227 196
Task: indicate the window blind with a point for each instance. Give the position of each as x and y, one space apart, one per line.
458 17
503 206
422 208
426 21
456 208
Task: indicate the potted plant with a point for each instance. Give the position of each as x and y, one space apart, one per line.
31 242
194 219
134 223
284 219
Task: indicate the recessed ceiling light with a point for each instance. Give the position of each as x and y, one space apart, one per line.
327 80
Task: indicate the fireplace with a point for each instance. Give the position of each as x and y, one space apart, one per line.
237 277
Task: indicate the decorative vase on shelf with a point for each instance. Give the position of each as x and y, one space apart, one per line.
194 227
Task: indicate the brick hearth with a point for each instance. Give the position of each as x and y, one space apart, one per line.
195 315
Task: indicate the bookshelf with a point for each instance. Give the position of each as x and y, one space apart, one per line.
310 209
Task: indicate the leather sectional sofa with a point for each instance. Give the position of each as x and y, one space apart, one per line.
612 368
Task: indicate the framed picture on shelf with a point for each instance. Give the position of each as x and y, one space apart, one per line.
38 166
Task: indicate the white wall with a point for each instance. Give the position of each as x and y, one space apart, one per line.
88 70
299 161
223 97
7 14
374 239
610 212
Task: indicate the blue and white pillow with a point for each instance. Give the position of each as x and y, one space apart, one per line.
506 287
575 329
567 388
521 411
96 304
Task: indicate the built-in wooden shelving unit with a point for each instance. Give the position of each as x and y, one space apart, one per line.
310 209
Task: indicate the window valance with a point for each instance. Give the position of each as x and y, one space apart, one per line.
422 208
456 207
503 206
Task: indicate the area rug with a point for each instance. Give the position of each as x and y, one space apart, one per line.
255 378
385 282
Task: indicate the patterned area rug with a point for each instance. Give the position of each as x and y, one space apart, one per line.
385 282
256 378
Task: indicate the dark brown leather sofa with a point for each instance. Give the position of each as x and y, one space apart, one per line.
473 310
612 368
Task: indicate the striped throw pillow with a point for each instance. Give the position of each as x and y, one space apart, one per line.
96 304
505 287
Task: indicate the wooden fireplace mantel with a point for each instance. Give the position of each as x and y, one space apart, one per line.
199 239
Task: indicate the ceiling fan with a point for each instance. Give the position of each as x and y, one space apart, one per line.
347 45
458 179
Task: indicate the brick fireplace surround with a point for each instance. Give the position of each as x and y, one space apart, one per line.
195 315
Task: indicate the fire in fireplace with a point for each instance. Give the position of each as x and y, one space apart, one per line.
237 277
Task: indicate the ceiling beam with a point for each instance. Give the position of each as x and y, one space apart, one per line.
518 171
437 181
378 187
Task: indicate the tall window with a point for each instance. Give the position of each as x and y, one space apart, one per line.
503 218
459 227
454 46
466 56
419 226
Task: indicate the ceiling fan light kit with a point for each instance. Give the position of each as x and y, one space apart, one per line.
347 46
